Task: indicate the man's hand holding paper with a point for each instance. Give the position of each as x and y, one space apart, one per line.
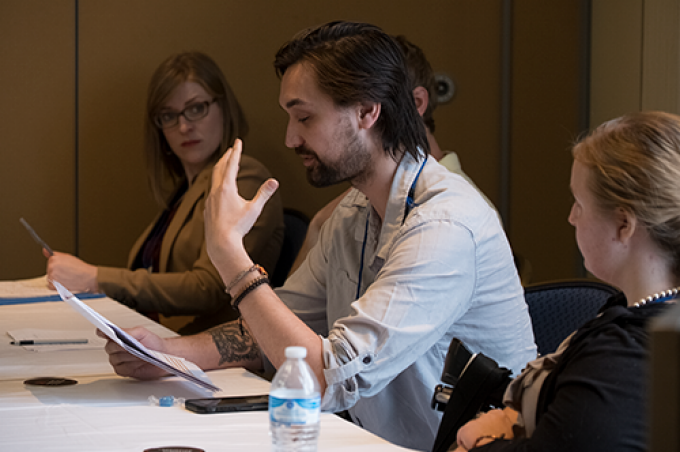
128 365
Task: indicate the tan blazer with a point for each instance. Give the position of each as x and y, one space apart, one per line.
188 283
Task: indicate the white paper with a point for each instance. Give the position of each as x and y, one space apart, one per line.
34 288
26 288
173 364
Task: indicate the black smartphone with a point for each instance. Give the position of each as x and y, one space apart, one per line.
228 404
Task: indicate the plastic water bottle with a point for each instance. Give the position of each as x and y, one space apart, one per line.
294 405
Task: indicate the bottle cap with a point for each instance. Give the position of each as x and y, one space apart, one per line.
166 401
296 352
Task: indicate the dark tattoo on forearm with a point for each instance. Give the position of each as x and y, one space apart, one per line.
233 346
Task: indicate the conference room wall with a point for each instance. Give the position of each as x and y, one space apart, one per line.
547 92
37 131
120 44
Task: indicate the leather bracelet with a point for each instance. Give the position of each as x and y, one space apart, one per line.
241 275
252 286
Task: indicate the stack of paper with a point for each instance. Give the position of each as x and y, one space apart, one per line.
34 290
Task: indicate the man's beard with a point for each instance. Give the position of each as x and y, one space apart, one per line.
354 163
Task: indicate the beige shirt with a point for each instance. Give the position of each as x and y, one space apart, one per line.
451 162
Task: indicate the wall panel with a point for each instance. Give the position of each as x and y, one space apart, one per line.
544 123
661 48
37 108
616 59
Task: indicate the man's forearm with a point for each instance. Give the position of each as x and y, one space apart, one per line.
235 346
220 347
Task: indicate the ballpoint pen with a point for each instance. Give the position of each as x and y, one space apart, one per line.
36 237
49 342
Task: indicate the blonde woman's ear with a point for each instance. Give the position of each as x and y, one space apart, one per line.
626 223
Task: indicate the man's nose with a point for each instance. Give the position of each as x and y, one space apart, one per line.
293 138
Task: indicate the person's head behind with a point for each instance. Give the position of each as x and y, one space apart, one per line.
420 73
163 165
634 164
357 62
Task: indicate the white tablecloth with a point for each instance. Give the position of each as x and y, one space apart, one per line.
105 412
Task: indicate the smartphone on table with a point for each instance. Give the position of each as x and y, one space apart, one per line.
228 404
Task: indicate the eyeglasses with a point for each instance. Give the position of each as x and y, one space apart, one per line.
193 112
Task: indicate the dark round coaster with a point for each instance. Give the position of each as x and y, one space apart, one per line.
50 381
174 449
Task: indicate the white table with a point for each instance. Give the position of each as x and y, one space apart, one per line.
19 363
104 412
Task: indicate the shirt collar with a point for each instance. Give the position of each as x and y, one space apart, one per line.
406 173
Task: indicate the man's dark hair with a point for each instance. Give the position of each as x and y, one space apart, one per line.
358 62
420 73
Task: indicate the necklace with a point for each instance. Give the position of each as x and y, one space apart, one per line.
659 297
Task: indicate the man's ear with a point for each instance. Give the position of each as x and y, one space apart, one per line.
422 98
369 112
626 224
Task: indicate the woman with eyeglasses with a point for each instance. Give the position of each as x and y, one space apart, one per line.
591 394
192 117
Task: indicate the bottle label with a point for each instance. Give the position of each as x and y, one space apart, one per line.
294 411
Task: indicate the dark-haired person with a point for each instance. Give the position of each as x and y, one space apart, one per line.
192 116
424 89
412 256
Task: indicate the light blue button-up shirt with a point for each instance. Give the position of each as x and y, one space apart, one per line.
445 271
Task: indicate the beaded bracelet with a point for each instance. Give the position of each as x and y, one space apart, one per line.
241 275
253 284
249 288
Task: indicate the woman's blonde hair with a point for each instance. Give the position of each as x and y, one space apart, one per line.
164 169
635 163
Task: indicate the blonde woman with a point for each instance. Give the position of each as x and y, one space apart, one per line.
590 394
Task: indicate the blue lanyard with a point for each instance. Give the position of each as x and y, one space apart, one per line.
410 204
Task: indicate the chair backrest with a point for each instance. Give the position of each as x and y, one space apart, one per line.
559 308
296 224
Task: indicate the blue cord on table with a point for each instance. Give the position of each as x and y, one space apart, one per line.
43 299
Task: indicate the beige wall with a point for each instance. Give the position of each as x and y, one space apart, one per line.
635 57
616 59
661 56
37 138
120 43
545 121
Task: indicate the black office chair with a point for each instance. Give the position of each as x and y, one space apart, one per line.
559 308
296 228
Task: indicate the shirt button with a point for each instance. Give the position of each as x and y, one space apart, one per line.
367 360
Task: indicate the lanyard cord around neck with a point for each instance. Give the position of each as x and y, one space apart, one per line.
410 204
